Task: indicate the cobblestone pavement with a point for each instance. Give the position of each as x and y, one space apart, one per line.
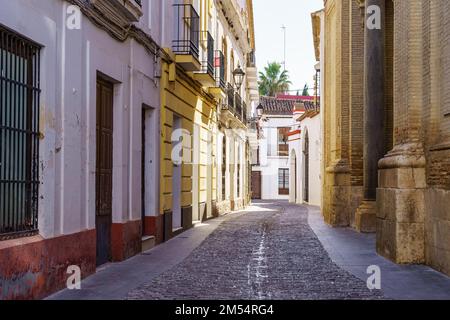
266 253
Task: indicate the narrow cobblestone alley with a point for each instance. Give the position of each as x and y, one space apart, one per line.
269 252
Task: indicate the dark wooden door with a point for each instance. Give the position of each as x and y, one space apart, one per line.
256 185
104 170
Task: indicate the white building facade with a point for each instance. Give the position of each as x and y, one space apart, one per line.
271 167
89 85
305 154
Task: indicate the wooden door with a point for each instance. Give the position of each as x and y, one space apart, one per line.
256 184
104 170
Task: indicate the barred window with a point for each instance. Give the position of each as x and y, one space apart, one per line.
19 137
283 145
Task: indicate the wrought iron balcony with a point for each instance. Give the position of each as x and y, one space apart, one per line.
238 106
230 106
187 31
235 105
208 63
206 74
220 70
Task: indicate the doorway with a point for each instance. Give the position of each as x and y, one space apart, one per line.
294 178
177 222
306 166
104 170
148 174
256 185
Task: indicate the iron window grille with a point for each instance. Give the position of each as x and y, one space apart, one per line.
187 30
283 181
19 135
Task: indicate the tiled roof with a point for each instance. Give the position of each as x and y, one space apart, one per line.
286 106
278 107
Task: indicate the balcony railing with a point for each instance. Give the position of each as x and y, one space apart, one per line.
235 104
230 98
219 64
208 58
238 106
187 31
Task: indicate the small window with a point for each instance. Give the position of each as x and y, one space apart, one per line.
283 142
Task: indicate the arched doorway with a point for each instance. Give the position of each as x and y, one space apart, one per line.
293 178
306 168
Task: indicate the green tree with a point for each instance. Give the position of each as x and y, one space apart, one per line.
273 80
305 91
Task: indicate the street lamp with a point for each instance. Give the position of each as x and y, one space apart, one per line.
260 110
238 76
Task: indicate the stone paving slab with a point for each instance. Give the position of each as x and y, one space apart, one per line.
355 251
272 251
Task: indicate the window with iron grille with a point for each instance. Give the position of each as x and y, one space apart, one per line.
19 135
283 181
283 146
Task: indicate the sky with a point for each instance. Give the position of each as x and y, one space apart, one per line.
270 16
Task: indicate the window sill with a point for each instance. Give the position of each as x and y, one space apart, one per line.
5 244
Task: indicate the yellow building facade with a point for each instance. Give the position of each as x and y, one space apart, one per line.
199 100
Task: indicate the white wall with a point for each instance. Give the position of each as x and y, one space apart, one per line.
297 145
70 61
270 162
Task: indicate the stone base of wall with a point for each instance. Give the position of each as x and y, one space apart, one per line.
401 207
237 205
215 210
437 229
37 267
223 207
366 217
154 226
356 199
126 240
186 216
337 196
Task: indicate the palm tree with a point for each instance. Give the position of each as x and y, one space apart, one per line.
305 91
273 80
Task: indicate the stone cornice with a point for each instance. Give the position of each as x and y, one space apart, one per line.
119 28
